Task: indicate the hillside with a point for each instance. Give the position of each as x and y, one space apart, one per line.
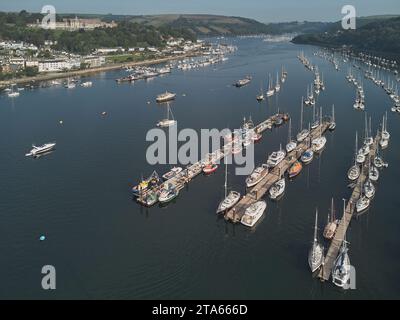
380 34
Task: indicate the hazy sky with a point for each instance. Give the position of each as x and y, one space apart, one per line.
262 10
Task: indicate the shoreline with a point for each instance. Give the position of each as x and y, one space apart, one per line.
61 75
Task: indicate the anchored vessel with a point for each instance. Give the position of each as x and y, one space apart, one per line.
164 97
41 149
253 213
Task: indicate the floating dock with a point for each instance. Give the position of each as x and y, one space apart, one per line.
257 192
337 240
185 176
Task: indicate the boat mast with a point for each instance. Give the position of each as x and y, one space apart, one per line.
301 115
355 154
315 226
290 130
332 212
226 177
333 113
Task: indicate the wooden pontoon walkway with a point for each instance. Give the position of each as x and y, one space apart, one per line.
258 191
336 242
186 175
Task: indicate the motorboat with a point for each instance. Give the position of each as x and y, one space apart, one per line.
210 168
168 193
164 97
277 189
253 213
172 173
257 175
295 169
275 158
37 150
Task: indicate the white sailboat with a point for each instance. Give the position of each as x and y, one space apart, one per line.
342 267
277 86
270 91
316 253
303 132
332 125
167 122
230 199
354 171
292 144
12 93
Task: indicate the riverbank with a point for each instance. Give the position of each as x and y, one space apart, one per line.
60 75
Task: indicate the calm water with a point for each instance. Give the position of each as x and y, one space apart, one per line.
105 246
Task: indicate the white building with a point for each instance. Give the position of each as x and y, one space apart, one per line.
53 65
94 61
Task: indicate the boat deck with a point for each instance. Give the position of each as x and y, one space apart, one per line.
190 172
258 191
337 240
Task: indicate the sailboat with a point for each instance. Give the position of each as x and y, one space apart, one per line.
319 143
316 253
167 122
368 140
270 91
303 133
12 93
385 135
291 145
230 199
341 269
277 86
363 201
332 125
332 224
308 155
354 171
70 84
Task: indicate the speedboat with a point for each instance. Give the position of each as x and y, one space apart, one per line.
172 173
362 203
168 193
253 213
35 151
275 158
295 169
369 189
257 175
302 135
373 173
277 189
210 168
307 156
232 198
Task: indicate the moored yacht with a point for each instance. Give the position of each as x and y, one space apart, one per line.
253 213
331 225
275 158
230 199
164 97
316 253
168 193
295 169
369 189
277 189
257 175
37 150
342 267
172 173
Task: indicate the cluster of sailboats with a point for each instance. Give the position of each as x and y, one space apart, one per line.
342 267
273 89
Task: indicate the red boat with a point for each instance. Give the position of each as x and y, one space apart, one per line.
210 168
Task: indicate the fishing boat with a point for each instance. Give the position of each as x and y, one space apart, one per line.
316 253
37 150
270 91
257 175
167 122
172 173
210 168
331 226
342 267
295 169
291 145
168 193
146 184
277 189
369 189
166 96
230 199
253 213
275 158
332 124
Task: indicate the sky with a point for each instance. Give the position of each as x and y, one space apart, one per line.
261 10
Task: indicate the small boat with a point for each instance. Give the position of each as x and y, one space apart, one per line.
37 150
230 199
332 125
360 158
168 193
385 134
275 158
253 213
260 97
369 189
332 224
277 86
295 169
277 189
342 267
302 135
150 199
307 156
256 136
87 84
291 145
257 175
172 173
243 82
318 144
316 253
210 168
270 91
164 97
70 84
11 93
